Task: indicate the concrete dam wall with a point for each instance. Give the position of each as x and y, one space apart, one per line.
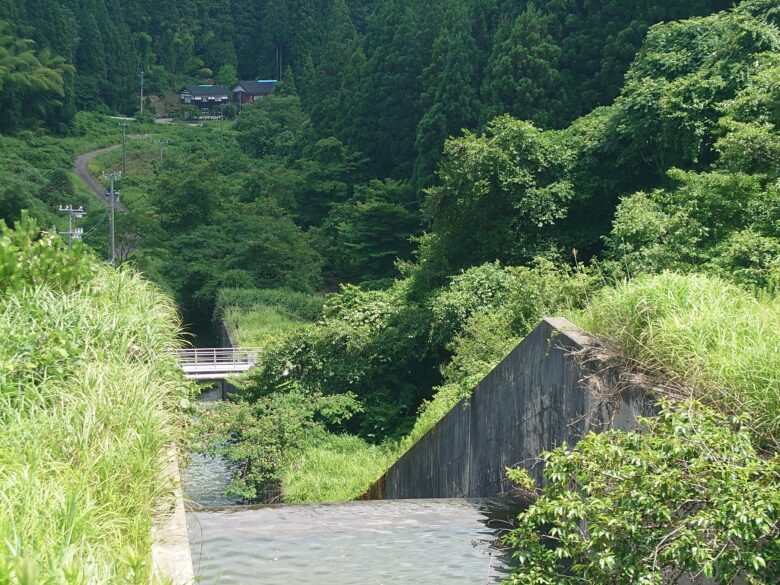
541 395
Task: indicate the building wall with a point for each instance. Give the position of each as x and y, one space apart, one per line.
537 398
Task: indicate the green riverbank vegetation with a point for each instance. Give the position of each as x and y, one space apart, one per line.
427 181
89 399
683 288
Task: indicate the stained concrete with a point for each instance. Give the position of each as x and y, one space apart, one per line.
540 396
171 557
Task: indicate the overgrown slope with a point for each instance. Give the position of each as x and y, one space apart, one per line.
89 399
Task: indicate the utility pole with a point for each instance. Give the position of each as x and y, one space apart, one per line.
161 143
73 214
123 126
113 196
142 75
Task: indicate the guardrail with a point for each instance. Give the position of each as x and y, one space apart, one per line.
215 363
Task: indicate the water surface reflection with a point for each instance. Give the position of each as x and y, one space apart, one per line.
389 542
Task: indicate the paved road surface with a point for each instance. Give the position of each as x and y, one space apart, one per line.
81 168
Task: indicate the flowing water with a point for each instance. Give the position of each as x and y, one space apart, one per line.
387 542
206 478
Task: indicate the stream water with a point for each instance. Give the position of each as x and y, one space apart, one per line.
206 478
388 542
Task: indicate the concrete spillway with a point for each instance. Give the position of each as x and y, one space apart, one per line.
541 395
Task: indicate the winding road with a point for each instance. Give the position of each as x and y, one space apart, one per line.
81 168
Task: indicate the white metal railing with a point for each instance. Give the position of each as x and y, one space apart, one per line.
216 362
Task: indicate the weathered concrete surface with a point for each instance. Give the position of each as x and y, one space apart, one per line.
229 340
171 557
540 396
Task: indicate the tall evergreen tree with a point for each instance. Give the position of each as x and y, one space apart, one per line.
90 60
398 48
450 95
523 76
339 42
216 38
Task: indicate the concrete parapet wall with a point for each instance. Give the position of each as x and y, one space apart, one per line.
540 396
171 557
229 340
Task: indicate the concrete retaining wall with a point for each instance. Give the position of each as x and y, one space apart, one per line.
171 557
538 397
228 340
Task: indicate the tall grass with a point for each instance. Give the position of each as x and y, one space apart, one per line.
340 468
296 305
88 400
709 338
259 326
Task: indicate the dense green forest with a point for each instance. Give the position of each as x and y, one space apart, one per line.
427 181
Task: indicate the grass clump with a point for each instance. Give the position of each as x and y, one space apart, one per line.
259 326
296 305
89 396
340 468
710 339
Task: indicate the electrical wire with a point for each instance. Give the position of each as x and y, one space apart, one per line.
97 225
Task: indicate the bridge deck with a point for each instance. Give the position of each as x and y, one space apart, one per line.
216 363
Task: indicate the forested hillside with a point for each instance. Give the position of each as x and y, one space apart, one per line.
678 173
390 79
426 182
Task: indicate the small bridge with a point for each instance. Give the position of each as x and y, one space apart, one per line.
216 363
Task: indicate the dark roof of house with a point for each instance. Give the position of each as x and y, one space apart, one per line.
258 87
206 90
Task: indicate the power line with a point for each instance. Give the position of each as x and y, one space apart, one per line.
99 222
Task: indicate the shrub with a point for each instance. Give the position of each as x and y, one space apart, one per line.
687 496
29 258
262 437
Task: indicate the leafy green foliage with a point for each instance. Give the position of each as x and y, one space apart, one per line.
31 258
688 495
32 85
261 437
275 126
499 193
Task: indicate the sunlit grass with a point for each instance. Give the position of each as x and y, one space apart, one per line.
88 402
259 326
707 337
339 469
